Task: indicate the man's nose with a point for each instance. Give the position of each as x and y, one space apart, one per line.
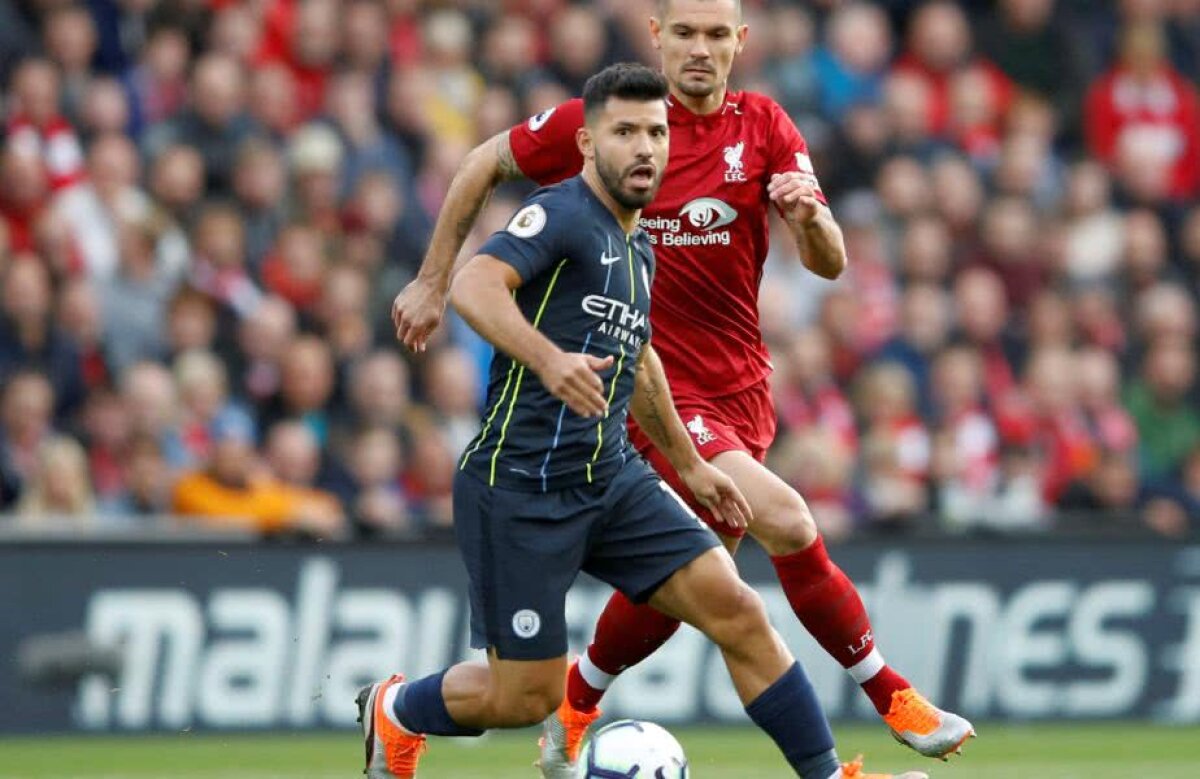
643 149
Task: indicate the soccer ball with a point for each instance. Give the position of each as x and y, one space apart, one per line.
629 749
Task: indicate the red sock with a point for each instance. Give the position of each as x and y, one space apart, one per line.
879 688
626 634
829 607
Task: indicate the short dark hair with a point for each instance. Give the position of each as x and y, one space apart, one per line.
664 6
626 81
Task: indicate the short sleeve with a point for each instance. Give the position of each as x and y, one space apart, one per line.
544 146
788 150
535 237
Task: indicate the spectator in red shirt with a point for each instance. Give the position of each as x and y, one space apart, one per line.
1062 434
219 262
23 193
806 395
1142 119
1099 377
157 85
886 401
80 320
982 315
303 35
939 50
295 270
37 130
1009 237
106 431
957 386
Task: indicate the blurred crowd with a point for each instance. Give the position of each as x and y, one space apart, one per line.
207 206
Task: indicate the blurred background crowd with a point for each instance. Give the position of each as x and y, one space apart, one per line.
207 206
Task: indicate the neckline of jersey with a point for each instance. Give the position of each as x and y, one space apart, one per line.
678 113
603 207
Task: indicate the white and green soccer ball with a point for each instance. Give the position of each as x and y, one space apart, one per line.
630 749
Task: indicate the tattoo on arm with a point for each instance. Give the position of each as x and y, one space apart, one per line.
507 167
654 420
464 225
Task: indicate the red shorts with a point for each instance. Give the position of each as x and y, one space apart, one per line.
743 421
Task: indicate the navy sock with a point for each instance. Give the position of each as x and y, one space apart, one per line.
790 714
421 708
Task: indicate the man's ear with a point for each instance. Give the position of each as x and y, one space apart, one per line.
583 139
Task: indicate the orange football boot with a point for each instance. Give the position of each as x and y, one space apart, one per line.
391 751
562 737
854 770
918 724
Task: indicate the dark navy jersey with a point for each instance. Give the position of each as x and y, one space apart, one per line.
586 287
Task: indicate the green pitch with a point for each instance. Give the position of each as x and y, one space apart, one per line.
1116 751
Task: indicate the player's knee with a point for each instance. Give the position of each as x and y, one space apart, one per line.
738 611
787 525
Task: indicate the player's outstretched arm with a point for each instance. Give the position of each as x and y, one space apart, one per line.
482 293
418 308
654 411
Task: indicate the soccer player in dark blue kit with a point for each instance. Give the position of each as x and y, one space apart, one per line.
551 486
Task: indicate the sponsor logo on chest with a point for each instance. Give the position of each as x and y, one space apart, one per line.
699 223
618 319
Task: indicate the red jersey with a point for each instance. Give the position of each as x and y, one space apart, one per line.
1162 114
708 227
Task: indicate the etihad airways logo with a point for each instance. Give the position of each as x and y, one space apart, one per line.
704 214
619 320
614 311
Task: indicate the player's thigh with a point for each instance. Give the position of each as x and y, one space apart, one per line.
779 517
708 594
646 535
522 552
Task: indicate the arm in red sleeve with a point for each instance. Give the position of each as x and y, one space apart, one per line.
789 150
544 147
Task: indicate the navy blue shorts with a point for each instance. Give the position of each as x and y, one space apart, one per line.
523 551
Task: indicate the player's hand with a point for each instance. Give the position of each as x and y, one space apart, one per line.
417 311
573 378
795 196
717 493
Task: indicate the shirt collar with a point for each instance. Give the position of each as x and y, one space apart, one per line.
677 113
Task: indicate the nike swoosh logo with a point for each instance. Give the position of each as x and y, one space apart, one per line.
609 259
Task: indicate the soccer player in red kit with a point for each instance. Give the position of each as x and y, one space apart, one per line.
733 156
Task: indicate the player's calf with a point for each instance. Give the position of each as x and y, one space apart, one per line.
525 708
